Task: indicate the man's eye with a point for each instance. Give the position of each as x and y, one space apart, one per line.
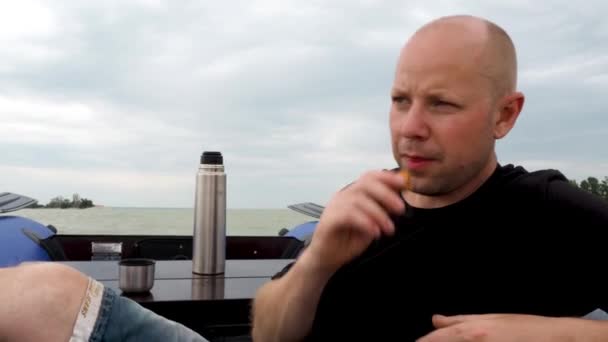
444 105
399 99
441 103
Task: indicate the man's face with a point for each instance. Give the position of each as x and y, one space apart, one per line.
442 114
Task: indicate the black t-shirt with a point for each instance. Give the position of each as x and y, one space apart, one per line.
525 242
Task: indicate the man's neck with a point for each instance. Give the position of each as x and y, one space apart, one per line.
431 202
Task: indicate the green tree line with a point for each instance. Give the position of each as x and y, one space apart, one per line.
60 202
594 186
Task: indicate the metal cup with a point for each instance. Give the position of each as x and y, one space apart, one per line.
136 275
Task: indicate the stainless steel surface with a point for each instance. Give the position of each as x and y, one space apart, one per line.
106 247
209 234
208 287
136 275
106 250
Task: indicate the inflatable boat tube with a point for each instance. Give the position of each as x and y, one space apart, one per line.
18 243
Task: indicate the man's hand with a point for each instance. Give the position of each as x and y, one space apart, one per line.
511 328
355 216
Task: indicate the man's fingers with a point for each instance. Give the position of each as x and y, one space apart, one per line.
441 321
393 180
397 180
364 224
384 194
370 201
377 214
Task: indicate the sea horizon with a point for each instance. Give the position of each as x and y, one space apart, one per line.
159 221
154 207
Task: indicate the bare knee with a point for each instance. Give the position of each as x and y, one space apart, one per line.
44 292
52 273
51 284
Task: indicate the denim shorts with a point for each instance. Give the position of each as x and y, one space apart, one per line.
105 316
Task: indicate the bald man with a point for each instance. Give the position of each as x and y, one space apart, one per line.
463 249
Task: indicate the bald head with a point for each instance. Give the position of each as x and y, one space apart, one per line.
483 44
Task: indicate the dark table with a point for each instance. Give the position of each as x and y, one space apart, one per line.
174 280
215 306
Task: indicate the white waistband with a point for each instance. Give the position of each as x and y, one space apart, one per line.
87 315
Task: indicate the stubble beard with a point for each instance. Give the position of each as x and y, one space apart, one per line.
447 180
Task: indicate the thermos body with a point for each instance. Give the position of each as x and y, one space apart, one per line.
209 236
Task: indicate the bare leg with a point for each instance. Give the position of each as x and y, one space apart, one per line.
39 302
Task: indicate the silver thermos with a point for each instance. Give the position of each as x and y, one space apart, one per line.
209 238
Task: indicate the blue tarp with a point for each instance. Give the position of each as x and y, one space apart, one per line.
15 246
303 230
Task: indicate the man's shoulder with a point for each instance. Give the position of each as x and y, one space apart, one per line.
551 189
517 180
518 174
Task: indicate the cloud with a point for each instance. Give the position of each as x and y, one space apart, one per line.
117 100
102 186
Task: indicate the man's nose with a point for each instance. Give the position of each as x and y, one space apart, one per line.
413 124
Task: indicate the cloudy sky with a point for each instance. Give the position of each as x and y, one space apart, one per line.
116 100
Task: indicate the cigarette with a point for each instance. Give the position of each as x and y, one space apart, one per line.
406 178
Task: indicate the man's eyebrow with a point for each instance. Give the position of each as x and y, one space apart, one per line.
439 93
398 92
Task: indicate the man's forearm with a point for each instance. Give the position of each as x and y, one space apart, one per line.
284 309
585 330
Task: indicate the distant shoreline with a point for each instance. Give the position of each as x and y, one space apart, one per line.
155 208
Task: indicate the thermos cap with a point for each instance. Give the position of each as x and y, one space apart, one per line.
212 157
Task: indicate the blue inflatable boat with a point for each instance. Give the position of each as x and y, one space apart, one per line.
21 238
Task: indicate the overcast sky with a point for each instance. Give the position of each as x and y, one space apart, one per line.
116 100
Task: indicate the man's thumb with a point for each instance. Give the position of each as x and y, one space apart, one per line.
441 321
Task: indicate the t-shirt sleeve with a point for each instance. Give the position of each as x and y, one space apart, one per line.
588 208
582 219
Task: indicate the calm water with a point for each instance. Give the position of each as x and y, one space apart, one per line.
156 221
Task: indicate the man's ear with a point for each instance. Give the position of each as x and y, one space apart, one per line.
508 112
